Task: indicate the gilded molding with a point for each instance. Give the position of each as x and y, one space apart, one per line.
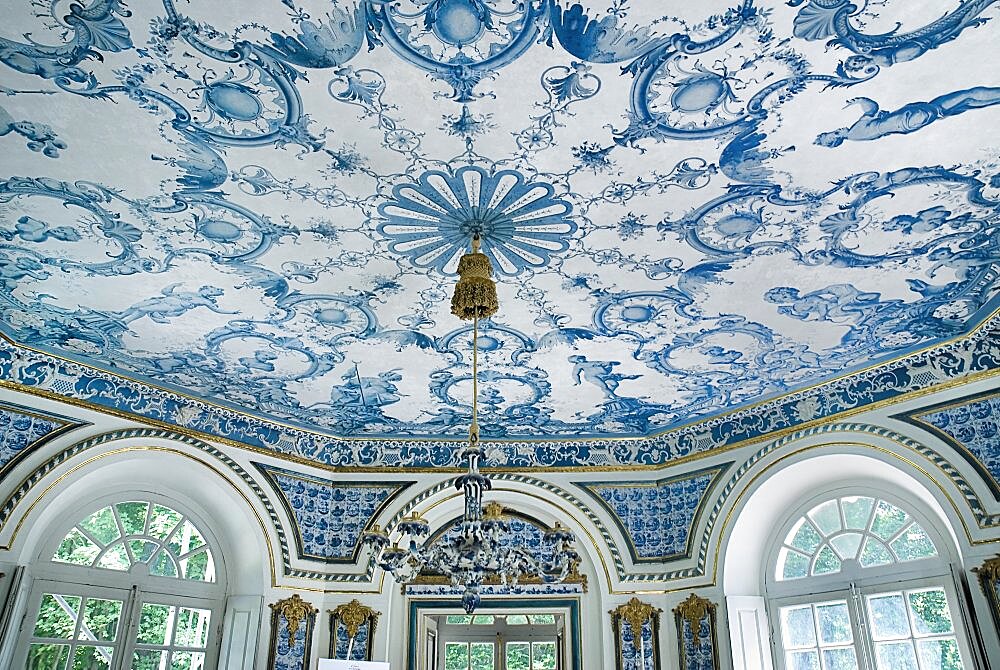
693 610
635 613
354 615
295 611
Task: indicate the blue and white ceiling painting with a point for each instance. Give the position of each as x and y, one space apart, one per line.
690 206
972 426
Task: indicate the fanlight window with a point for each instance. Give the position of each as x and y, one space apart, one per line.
867 530
119 536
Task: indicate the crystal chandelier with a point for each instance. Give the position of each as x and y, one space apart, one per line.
477 553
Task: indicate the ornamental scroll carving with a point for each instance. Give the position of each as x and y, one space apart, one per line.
292 623
697 640
989 580
636 628
352 631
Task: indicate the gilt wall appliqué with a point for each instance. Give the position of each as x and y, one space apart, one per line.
689 212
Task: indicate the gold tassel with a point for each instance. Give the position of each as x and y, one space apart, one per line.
475 293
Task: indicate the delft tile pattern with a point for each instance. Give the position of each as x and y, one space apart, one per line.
329 517
522 533
976 426
631 172
633 659
19 430
289 656
700 656
359 650
657 520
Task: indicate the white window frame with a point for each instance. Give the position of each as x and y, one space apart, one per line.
133 586
853 582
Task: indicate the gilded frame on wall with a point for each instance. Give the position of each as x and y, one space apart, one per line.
641 628
357 622
989 580
697 634
293 621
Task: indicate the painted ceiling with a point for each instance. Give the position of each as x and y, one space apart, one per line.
690 206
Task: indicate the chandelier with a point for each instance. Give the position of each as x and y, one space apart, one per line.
478 552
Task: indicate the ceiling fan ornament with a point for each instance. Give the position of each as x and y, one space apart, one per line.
475 293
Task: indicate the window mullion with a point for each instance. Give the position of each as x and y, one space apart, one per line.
129 629
862 631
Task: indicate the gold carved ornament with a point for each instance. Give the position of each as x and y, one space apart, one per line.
693 610
294 610
990 570
636 613
353 615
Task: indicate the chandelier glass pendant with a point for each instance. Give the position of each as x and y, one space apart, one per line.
480 551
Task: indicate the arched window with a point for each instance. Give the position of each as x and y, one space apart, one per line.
860 582
134 584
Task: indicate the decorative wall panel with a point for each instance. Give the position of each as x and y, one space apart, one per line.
697 634
23 429
636 627
657 518
352 631
972 426
679 235
329 515
292 623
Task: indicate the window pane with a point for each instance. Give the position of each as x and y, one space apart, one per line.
847 545
804 537
57 616
518 655
87 657
826 517
516 619
456 655
100 620
826 562
163 565
802 660
875 553
142 550
459 619
482 619
840 659
48 657
115 559
834 623
940 654
148 659
163 521
156 624
896 656
888 615
542 619
76 548
102 525
133 516
187 538
857 510
199 567
188 660
797 627
913 544
792 564
481 655
930 612
192 627
889 519
543 656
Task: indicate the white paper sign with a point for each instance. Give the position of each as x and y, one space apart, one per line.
335 664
